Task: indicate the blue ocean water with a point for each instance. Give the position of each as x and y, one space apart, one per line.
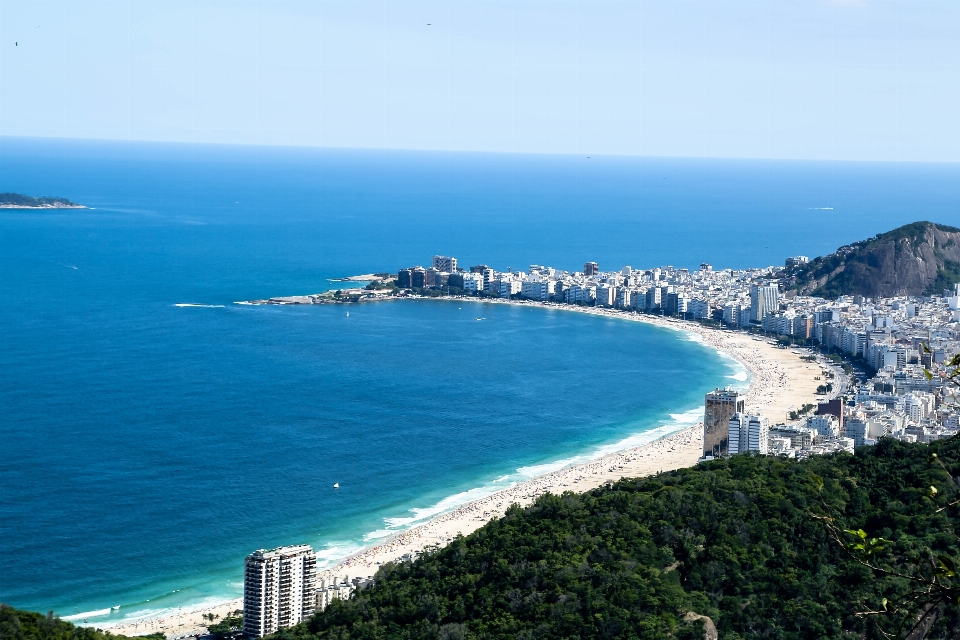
145 447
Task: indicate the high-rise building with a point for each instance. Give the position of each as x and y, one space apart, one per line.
418 277
764 299
747 433
279 589
591 269
445 264
719 407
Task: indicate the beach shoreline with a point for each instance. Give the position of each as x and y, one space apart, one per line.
777 381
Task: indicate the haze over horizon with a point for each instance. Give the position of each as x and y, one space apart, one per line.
824 80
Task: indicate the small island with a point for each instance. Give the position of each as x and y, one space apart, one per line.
20 201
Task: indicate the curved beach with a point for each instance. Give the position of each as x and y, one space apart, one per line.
778 382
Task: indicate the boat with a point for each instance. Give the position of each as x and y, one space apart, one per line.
336 485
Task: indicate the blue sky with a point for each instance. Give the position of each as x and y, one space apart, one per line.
814 79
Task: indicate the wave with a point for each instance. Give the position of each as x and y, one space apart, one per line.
88 614
204 306
420 515
335 552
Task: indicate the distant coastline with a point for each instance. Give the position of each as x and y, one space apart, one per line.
19 201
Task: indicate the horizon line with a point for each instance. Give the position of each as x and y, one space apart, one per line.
306 147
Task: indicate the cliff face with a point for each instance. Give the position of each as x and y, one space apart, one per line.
916 259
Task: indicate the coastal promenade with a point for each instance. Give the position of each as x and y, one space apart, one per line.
778 381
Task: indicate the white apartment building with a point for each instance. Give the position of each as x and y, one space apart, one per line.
473 282
606 295
279 589
764 299
444 263
507 287
748 433
699 308
919 405
826 426
537 289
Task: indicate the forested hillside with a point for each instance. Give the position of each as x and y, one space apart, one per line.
734 540
921 258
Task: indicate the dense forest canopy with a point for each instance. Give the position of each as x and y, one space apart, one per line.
739 545
735 540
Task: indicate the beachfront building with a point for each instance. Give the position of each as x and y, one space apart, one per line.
445 264
279 589
748 433
719 406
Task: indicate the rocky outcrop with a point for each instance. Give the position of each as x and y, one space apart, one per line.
922 258
709 629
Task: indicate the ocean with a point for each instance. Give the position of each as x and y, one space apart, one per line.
146 446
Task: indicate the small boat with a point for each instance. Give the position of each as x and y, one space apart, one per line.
348 314
336 485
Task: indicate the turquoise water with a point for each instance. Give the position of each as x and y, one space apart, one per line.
148 447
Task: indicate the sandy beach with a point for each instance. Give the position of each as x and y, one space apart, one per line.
779 381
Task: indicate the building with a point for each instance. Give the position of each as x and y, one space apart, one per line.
591 269
654 299
796 261
834 407
472 282
699 309
747 433
537 289
719 407
279 589
606 295
418 277
445 264
764 300
826 425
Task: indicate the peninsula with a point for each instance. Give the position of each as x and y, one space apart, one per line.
20 201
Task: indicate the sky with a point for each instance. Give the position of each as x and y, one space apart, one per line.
813 79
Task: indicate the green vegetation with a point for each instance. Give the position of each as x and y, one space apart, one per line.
802 411
913 231
20 200
743 541
232 623
883 265
946 277
380 285
26 625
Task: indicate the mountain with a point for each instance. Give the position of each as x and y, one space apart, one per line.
922 258
729 547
